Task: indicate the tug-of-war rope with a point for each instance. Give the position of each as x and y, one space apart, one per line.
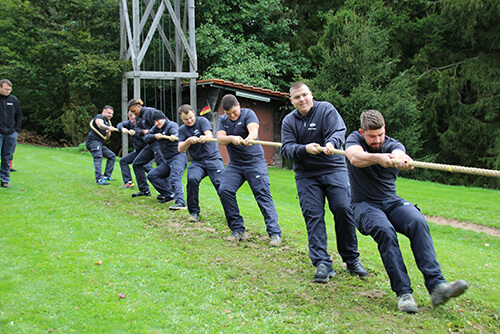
108 133
419 164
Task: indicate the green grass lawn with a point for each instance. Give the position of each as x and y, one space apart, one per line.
81 258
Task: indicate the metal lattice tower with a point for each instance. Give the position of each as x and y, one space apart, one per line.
135 48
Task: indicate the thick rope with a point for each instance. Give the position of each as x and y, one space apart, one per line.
253 142
419 164
171 137
452 168
441 167
98 132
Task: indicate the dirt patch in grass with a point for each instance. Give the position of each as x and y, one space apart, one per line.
33 138
464 225
179 225
375 294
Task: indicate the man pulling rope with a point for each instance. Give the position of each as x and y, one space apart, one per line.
413 163
101 129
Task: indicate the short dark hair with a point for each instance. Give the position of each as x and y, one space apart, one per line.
185 108
297 85
5 81
372 120
228 101
107 106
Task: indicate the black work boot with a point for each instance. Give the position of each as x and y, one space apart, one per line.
142 193
357 269
323 273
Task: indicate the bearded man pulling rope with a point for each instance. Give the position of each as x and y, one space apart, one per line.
381 213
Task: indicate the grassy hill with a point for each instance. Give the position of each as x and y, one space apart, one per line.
77 257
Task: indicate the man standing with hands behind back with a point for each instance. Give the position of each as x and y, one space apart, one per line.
320 174
10 125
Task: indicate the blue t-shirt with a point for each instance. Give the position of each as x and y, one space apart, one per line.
200 152
373 183
168 148
241 154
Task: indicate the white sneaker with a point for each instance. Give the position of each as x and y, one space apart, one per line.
445 291
406 303
275 240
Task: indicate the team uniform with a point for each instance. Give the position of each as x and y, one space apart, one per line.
247 163
10 125
380 213
167 177
95 144
139 145
206 161
145 122
319 176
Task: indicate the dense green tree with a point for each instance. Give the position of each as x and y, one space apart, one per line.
63 58
459 87
247 42
309 21
358 73
431 67
436 63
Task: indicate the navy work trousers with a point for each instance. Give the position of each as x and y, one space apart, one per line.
167 178
7 148
197 171
257 176
312 193
98 151
126 161
381 220
141 162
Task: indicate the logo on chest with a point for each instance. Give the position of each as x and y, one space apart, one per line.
311 127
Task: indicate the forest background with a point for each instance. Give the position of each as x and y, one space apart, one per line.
431 67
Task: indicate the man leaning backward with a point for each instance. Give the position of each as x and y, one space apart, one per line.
319 175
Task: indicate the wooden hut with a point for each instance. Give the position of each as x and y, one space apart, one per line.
270 107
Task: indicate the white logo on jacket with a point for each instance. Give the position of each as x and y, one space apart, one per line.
312 127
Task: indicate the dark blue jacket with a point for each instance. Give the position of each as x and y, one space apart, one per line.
322 125
145 119
168 148
10 114
137 140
